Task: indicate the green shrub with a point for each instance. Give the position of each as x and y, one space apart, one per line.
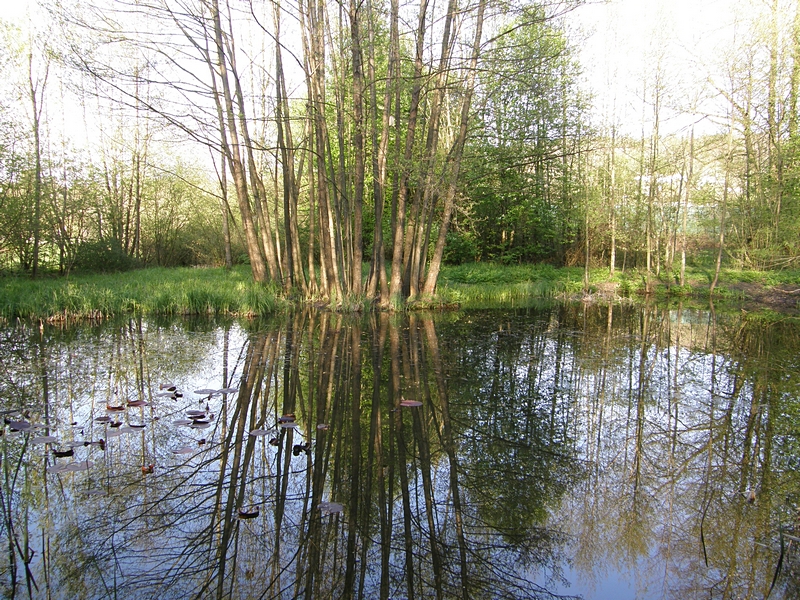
104 256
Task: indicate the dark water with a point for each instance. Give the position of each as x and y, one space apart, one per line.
554 452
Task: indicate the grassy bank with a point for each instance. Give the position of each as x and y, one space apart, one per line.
217 291
147 291
482 285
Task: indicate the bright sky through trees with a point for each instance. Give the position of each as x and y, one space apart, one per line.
626 38
621 41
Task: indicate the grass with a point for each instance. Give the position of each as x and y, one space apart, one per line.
193 291
485 285
183 291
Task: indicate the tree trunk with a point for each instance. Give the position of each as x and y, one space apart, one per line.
257 263
455 158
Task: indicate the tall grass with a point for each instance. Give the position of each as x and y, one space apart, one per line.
487 285
147 292
188 291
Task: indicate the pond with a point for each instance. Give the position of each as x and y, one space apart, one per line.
590 451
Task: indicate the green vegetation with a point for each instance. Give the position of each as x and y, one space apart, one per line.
158 291
193 291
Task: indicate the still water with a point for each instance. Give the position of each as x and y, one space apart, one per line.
563 451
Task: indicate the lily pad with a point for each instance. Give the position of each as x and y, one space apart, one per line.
259 432
44 439
251 513
410 403
200 425
83 465
289 425
138 403
331 508
184 450
183 422
206 392
228 390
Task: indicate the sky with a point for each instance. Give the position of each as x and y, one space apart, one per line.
620 42
625 37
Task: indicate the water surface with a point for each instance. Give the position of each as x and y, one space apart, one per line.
565 451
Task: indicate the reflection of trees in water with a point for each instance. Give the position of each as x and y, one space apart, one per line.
608 436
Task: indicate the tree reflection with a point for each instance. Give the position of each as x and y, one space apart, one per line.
467 455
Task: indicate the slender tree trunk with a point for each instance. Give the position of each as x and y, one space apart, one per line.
612 263
722 209
396 283
423 212
379 154
685 211
37 102
257 263
455 158
290 193
358 147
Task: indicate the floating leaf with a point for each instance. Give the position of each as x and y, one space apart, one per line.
167 386
163 394
206 392
248 514
196 413
331 508
228 390
287 418
84 465
103 419
182 422
259 432
115 433
410 403
55 468
63 453
76 444
147 469
184 450
114 408
137 426
122 430
200 425
138 403
298 448
289 425
44 439
20 426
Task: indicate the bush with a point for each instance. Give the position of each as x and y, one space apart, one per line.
104 256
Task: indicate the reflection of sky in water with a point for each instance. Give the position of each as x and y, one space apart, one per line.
581 456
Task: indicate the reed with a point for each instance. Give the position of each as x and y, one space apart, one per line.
182 291
201 291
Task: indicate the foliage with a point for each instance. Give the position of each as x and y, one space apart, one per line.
154 291
104 256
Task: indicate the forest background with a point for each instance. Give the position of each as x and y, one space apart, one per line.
349 150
